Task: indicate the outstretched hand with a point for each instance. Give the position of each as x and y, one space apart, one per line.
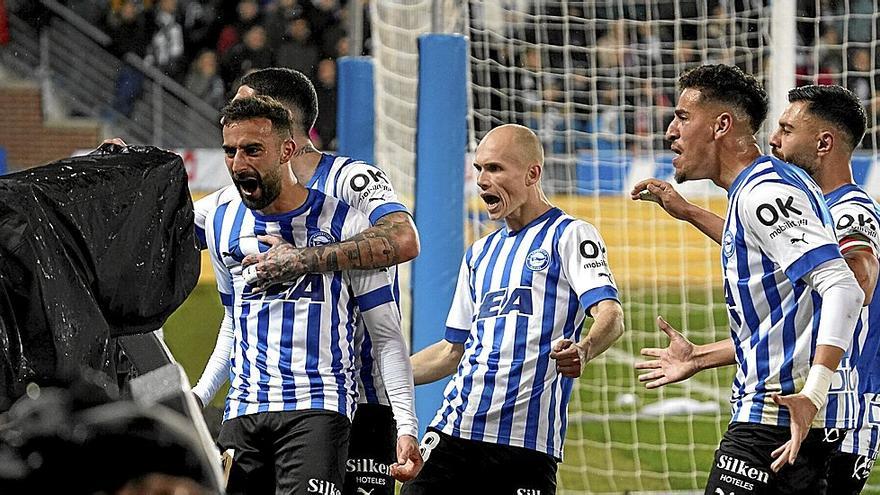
409 459
280 263
570 357
802 412
662 193
675 363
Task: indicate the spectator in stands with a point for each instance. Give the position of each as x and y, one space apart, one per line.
128 31
325 86
248 16
166 47
204 81
278 20
297 50
858 75
200 26
252 53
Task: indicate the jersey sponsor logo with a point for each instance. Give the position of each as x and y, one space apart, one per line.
364 491
323 487
538 260
727 244
741 468
770 213
788 224
367 466
320 238
865 222
590 249
359 182
311 287
843 380
504 301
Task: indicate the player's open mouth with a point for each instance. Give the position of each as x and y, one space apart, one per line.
248 185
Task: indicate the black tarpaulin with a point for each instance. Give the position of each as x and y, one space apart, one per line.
91 248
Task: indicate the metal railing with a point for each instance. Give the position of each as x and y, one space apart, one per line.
70 58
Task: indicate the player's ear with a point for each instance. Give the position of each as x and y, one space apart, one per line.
534 174
825 143
723 124
288 147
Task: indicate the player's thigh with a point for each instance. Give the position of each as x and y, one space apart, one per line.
742 460
450 463
310 449
371 451
848 473
251 470
518 471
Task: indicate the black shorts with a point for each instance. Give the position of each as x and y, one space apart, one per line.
486 467
742 461
372 450
286 452
848 473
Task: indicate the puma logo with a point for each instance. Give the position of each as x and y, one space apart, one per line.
802 239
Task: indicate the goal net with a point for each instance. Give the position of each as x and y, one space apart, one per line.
596 80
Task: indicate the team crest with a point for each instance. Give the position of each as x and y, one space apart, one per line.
320 238
727 244
537 260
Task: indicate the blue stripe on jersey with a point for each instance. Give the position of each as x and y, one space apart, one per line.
366 369
322 171
200 237
260 364
218 228
762 350
235 234
533 416
226 299
567 384
488 381
456 335
810 260
375 297
519 351
593 296
336 179
336 352
386 209
245 362
313 343
285 360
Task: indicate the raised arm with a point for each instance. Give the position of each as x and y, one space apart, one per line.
391 241
662 193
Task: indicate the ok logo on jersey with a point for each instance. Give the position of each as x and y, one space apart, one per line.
769 214
504 301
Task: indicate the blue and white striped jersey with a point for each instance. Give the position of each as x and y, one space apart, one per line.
519 293
294 343
856 221
778 229
366 188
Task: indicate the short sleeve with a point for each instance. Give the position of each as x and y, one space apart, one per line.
584 260
461 313
367 188
781 219
856 224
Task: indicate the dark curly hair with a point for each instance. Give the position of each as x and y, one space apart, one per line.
837 106
256 107
729 85
292 88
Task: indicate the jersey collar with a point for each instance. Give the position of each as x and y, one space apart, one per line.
552 213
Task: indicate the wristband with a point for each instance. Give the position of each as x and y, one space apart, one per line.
817 384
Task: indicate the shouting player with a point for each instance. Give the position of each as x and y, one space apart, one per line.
778 253
390 239
513 334
292 366
817 132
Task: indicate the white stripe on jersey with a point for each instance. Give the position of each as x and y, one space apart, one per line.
855 213
777 229
293 345
518 293
366 188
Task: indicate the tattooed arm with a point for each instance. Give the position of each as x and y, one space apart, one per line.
391 241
